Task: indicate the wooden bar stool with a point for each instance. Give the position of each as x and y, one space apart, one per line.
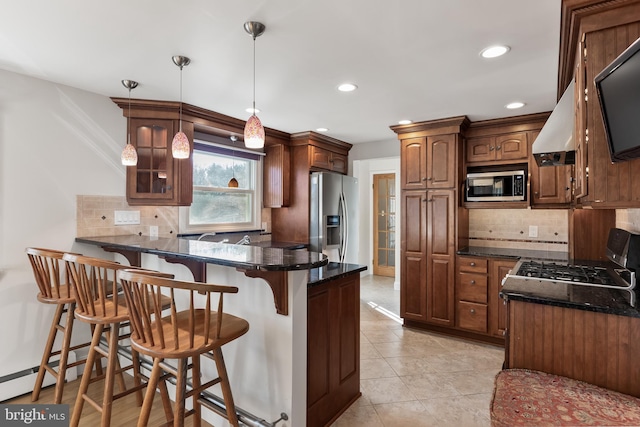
49 273
99 303
183 334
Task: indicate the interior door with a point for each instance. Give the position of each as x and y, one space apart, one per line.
384 224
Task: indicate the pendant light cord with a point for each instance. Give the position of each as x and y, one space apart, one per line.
129 120
181 98
254 75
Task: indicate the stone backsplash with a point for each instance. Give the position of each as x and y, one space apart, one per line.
510 228
628 219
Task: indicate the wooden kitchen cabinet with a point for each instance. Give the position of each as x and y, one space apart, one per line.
413 264
550 185
333 348
428 162
497 148
158 178
321 158
594 33
413 163
479 307
276 185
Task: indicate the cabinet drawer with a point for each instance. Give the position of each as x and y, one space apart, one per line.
472 287
472 264
472 316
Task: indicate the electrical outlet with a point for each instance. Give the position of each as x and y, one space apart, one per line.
264 226
153 231
533 231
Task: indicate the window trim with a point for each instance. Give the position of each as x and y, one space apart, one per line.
185 227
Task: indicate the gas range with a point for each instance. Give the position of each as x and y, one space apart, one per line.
623 250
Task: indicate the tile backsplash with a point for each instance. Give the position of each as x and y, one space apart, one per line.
95 217
510 228
628 219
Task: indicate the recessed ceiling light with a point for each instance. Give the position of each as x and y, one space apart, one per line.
404 122
514 105
322 130
494 51
252 110
347 87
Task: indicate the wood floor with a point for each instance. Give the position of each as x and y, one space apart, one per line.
125 412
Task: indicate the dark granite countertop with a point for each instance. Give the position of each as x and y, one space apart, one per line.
513 253
602 300
332 271
238 256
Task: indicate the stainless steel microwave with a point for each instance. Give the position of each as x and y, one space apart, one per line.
498 186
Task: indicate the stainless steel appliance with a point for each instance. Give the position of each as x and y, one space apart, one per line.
333 229
497 186
623 250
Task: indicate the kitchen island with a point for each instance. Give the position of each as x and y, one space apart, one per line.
268 366
582 332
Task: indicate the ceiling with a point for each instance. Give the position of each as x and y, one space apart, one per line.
411 59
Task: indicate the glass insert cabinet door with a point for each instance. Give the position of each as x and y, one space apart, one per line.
152 177
384 195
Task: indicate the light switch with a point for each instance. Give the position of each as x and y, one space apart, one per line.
126 217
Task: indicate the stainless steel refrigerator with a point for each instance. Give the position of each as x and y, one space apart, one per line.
333 229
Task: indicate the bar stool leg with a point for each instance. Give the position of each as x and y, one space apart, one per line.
195 373
109 381
181 390
46 354
64 353
147 403
226 387
86 376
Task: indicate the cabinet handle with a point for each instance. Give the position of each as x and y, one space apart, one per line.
473 282
473 311
429 179
472 264
535 193
491 148
498 147
424 179
567 188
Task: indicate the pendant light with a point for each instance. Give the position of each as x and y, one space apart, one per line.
233 182
129 155
180 147
253 130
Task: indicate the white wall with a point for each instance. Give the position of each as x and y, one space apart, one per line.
55 142
364 171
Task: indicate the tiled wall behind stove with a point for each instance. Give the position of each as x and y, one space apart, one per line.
95 217
509 228
628 219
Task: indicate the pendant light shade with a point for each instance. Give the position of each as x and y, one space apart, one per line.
129 156
180 147
253 129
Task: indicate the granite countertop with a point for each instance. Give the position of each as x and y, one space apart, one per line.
591 298
514 254
332 271
238 256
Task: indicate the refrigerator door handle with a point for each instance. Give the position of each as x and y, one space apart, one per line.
344 227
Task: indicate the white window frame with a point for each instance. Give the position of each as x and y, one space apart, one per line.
256 212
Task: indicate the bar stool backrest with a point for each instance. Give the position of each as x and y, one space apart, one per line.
95 284
50 275
182 332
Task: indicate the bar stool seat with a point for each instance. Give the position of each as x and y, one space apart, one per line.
49 273
183 334
98 304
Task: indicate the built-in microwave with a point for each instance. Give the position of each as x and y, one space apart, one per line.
496 186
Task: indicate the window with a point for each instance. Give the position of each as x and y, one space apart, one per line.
216 206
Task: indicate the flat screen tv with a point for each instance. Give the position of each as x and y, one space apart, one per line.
618 89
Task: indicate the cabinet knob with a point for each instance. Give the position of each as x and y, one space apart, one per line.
429 179
424 179
567 188
498 147
472 264
473 311
473 282
491 148
535 193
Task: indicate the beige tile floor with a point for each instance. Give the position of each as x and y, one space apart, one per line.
415 378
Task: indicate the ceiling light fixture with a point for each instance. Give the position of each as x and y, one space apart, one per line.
405 122
514 105
347 87
322 130
129 155
233 182
180 147
253 129
494 51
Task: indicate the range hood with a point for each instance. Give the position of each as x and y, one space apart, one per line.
555 145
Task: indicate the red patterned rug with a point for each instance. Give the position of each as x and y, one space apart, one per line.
526 398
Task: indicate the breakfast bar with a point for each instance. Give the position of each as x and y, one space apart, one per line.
268 366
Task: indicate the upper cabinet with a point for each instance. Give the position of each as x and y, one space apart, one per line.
550 185
327 159
159 179
497 149
428 162
592 34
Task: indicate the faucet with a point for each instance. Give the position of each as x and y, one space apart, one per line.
245 240
203 235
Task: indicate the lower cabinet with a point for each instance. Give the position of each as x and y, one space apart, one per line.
479 307
333 349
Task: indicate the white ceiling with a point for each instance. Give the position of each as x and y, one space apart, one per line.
415 59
